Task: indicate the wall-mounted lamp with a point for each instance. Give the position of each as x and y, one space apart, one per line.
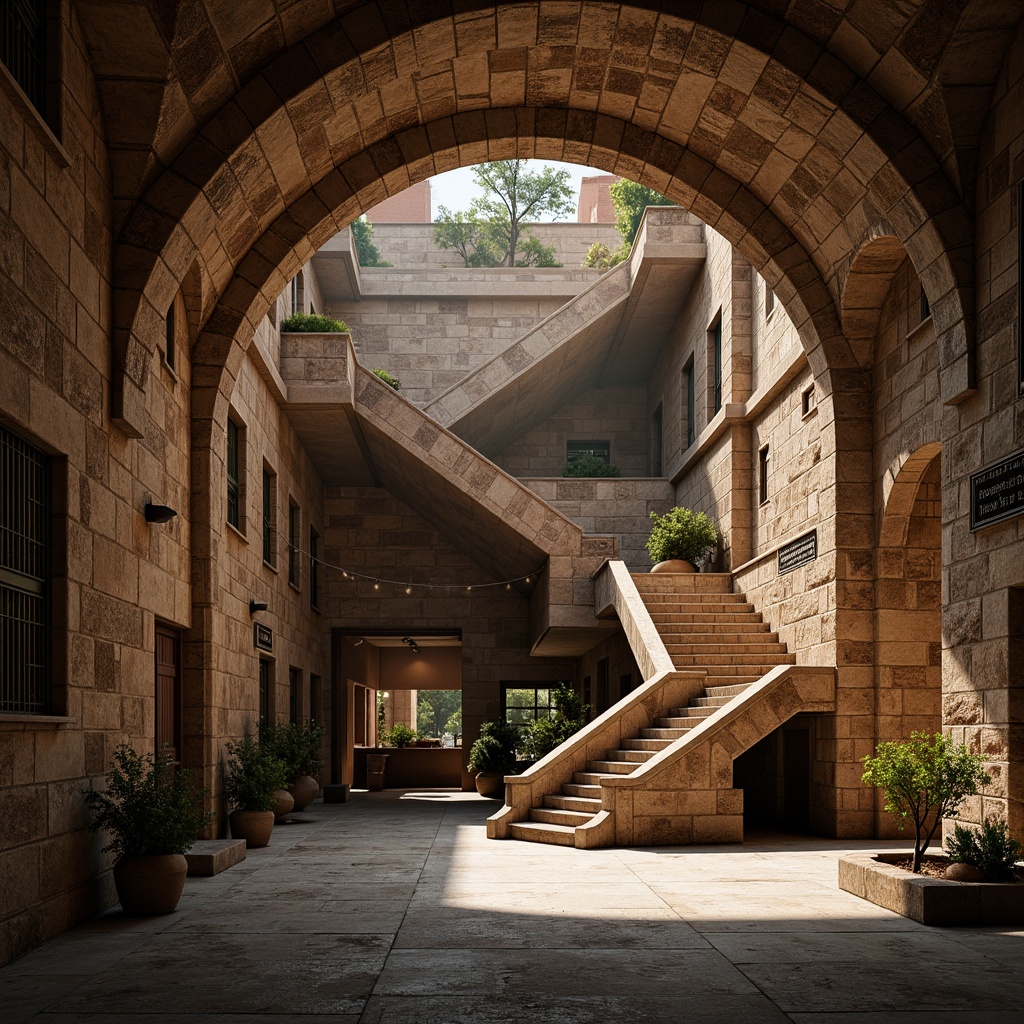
158 513
257 606
413 646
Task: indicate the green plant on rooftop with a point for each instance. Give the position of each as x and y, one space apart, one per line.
388 379
366 249
312 323
630 199
589 465
924 779
493 232
682 533
543 734
991 849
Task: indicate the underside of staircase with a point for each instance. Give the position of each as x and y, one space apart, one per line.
732 665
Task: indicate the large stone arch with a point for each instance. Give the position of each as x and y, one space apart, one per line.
791 137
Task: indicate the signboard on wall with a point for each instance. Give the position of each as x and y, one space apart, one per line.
997 493
262 637
798 552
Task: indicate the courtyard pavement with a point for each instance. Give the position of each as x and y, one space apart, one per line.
394 907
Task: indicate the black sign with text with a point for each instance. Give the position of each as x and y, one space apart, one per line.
262 637
798 552
997 493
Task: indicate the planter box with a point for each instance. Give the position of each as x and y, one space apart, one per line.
932 901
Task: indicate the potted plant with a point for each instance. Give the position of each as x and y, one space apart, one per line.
543 734
298 746
988 854
492 757
153 814
681 540
252 776
400 736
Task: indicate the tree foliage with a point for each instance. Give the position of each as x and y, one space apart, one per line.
435 708
493 232
543 734
366 251
630 200
924 779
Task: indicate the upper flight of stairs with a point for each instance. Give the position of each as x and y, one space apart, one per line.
703 627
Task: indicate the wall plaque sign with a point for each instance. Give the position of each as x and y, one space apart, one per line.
997 493
262 637
798 552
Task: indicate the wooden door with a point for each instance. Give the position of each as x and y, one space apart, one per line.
168 691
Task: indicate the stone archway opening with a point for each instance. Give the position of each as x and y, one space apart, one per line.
908 608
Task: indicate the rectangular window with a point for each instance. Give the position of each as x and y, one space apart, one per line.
691 411
269 525
234 480
769 302
763 461
715 363
656 446
925 309
314 698
522 703
314 568
265 686
808 401
24 574
599 449
169 328
294 695
294 570
23 47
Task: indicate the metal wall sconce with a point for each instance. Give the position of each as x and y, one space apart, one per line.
158 513
257 606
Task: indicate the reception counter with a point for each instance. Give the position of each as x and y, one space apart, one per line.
412 767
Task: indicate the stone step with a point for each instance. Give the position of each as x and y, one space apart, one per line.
725 691
684 722
614 767
748 661
709 701
592 778
690 712
739 613
695 601
728 650
549 816
704 582
737 633
573 803
727 672
627 754
643 743
540 832
663 735
589 791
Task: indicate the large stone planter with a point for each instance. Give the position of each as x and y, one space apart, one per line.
150 885
935 901
255 827
674 565
304 790
491 784
284 803
375 766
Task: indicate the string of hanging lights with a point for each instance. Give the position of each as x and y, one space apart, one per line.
411 586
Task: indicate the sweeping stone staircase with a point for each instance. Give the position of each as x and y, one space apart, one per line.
699 639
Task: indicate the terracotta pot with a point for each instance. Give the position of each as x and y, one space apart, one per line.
491 784
150 885
284 804
304 790
254 827
674 565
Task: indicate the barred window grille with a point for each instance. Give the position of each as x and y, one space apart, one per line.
23 46
24 571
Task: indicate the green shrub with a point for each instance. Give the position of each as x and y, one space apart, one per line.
925 779
149 806
252 774
992 850
366 249
681 533
600 256
399 736
388 379
495 750
542 735
297 745
312 323
590 465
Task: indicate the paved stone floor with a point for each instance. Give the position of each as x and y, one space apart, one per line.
395 908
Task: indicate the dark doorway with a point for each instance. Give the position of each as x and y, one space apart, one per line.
775 776
168 691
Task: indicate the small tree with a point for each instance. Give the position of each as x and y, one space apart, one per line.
630 200
367 252
925 779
